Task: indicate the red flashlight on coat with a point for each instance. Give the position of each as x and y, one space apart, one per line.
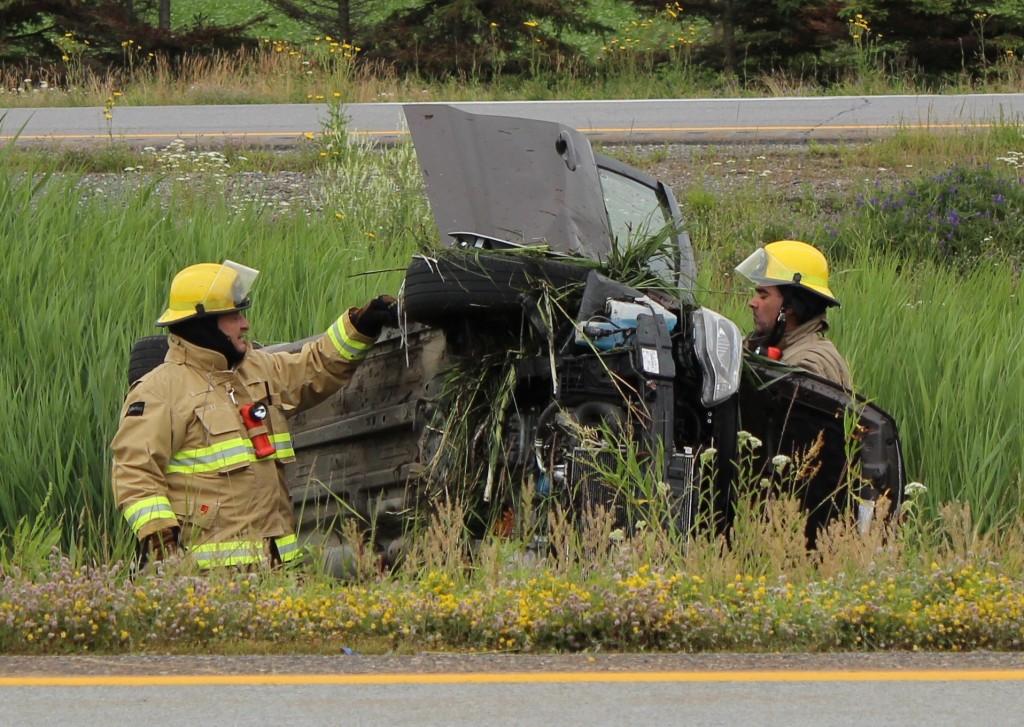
253 415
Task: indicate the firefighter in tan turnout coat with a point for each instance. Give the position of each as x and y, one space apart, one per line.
198 456
789 304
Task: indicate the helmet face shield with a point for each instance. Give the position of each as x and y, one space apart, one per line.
229 290
755 268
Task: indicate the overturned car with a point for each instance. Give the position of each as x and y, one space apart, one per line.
552 354
553 337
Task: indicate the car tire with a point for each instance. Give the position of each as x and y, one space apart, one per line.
475 284
147 353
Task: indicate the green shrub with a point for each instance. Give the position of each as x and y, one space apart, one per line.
956 217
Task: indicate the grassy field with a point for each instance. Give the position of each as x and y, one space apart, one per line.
107 272
935 339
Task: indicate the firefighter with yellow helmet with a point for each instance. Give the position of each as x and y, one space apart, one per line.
199 454
791 297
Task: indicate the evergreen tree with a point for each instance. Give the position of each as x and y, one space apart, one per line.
340 19
28 29
482 38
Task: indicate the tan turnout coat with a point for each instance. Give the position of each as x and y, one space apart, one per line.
182 456
806 347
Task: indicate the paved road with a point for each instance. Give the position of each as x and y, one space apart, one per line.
681 120
721 689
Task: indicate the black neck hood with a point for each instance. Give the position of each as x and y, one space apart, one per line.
204 332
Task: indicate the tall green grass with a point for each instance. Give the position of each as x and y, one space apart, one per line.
943 352
85 274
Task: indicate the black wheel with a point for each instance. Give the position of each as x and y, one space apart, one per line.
147 353
456 284
573 453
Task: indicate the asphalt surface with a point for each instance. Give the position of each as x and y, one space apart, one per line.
614 121
797 690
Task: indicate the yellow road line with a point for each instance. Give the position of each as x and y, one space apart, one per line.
611 130
118 136
931 675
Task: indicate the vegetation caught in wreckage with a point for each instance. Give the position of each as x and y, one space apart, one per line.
478 442
558 365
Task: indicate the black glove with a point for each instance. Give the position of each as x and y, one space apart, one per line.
372 317
161 545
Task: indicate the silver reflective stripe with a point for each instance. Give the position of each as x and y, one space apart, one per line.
348 347
213 458
287 547
283 444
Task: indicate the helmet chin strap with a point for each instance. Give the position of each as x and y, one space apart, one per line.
760 344
778 330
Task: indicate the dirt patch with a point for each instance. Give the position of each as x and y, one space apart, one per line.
796 171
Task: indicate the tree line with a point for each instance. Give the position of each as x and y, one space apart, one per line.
814 38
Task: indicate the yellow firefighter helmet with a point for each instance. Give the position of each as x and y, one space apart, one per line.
208 289
789 262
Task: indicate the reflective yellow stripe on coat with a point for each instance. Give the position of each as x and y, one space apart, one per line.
225 454
147 510
243 552
230 552
283 446
287 547
349 348
213 458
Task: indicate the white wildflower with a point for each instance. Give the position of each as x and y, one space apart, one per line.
746 439
914 489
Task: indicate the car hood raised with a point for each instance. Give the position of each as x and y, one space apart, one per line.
522 181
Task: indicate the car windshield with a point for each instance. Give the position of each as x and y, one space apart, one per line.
640 211
635 214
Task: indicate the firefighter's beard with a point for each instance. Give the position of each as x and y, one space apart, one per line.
770 337
205 333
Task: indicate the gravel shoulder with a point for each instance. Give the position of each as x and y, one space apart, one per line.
160 665
791 170
795 171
